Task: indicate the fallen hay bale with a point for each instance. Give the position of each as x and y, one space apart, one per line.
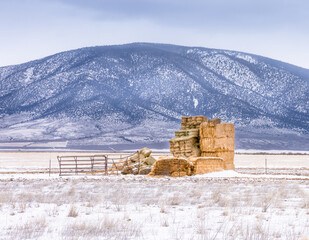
140 163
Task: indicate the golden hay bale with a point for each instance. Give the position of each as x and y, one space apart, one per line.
206 131
224 144
187 133
203 165
134 158
184 121
144 170
140 163
200 119
184 146
227 156
171 166
180 141
192 122
149 161
140 155
127 170
217 144
145 152
214 121
179 174
224 130
207 144
216 130
229 166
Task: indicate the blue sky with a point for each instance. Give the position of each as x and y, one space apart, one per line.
32 29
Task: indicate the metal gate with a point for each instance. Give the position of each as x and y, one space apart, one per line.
94 164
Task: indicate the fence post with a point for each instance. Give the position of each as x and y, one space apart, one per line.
106 159
179 166
49 167
59 161
91 164
75 158
122 162
139 162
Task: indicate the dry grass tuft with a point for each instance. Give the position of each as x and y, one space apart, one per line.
73 212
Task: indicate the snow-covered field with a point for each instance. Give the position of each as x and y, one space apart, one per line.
138 207
241 204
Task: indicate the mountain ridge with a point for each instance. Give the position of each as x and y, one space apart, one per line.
142 86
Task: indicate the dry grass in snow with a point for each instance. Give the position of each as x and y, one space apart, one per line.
137 207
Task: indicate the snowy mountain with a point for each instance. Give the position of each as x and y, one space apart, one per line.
134 95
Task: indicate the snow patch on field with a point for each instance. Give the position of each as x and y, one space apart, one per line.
234 174
255 151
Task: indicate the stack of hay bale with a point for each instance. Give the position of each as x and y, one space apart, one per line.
186 142
217 140
207 145
201 146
